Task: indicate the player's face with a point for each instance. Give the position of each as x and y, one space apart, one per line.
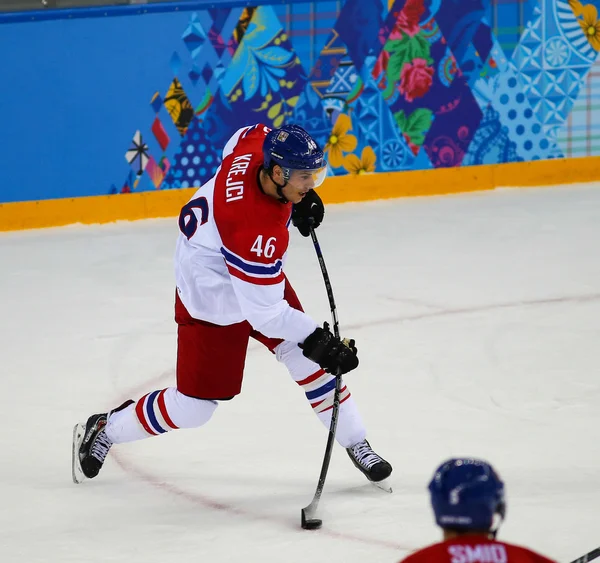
301 181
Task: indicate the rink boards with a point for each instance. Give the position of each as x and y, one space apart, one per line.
337 189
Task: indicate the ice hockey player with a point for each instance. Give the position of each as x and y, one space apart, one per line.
467 497
230 286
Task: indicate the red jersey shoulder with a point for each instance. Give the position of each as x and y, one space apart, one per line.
250 139
236 178
518 554
428 554
239 170
467 550
238 196
240 205
255 134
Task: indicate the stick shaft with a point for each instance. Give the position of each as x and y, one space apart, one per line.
588 556
312 507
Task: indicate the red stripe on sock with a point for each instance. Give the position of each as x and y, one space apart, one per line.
315 405
311 378
139 410
163 410
331 406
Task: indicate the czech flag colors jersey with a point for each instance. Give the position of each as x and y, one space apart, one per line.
232 245
475 549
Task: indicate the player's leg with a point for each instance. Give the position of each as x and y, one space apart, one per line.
319 388
210 364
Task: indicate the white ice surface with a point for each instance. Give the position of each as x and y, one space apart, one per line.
477 318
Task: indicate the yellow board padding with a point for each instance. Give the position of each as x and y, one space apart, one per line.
92 209
443 181
338 189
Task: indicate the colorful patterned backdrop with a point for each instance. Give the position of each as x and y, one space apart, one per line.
383 85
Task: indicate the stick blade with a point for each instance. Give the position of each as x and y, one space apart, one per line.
309 522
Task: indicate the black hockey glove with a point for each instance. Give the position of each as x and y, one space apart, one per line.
308 213
332 354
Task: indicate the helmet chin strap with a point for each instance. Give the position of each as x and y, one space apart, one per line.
497 520
282 198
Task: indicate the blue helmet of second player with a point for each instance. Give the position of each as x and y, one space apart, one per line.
466 494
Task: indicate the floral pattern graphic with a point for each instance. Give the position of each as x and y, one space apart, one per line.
408 21
403 57
576 7
415 79
424 86
414 127
264 68
340 141
265 77
363 165
382 85
587 16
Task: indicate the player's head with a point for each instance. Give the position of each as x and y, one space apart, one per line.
466 494
293 161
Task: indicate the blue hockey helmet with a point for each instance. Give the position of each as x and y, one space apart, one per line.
292 148
466 494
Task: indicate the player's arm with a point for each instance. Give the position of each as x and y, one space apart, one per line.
259 286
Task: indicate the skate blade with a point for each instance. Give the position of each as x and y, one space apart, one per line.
383 485
77 472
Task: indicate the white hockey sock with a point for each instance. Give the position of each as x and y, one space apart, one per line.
157 413
319 388
350 427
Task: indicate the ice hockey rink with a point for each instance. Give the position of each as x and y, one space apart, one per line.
477 318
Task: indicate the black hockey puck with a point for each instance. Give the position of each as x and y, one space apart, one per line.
310 523
313 524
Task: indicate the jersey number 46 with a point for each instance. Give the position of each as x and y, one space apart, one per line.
267 250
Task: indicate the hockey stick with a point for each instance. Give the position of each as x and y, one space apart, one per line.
309 522
588 556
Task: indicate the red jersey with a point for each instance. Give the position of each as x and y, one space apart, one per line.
475 548
232 247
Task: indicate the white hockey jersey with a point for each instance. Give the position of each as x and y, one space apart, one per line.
232 245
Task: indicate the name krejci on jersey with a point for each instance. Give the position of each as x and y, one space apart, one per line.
234 187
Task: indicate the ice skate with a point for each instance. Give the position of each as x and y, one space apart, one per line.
90 446
371 465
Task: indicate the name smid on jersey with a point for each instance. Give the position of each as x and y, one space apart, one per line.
475 549
486 553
